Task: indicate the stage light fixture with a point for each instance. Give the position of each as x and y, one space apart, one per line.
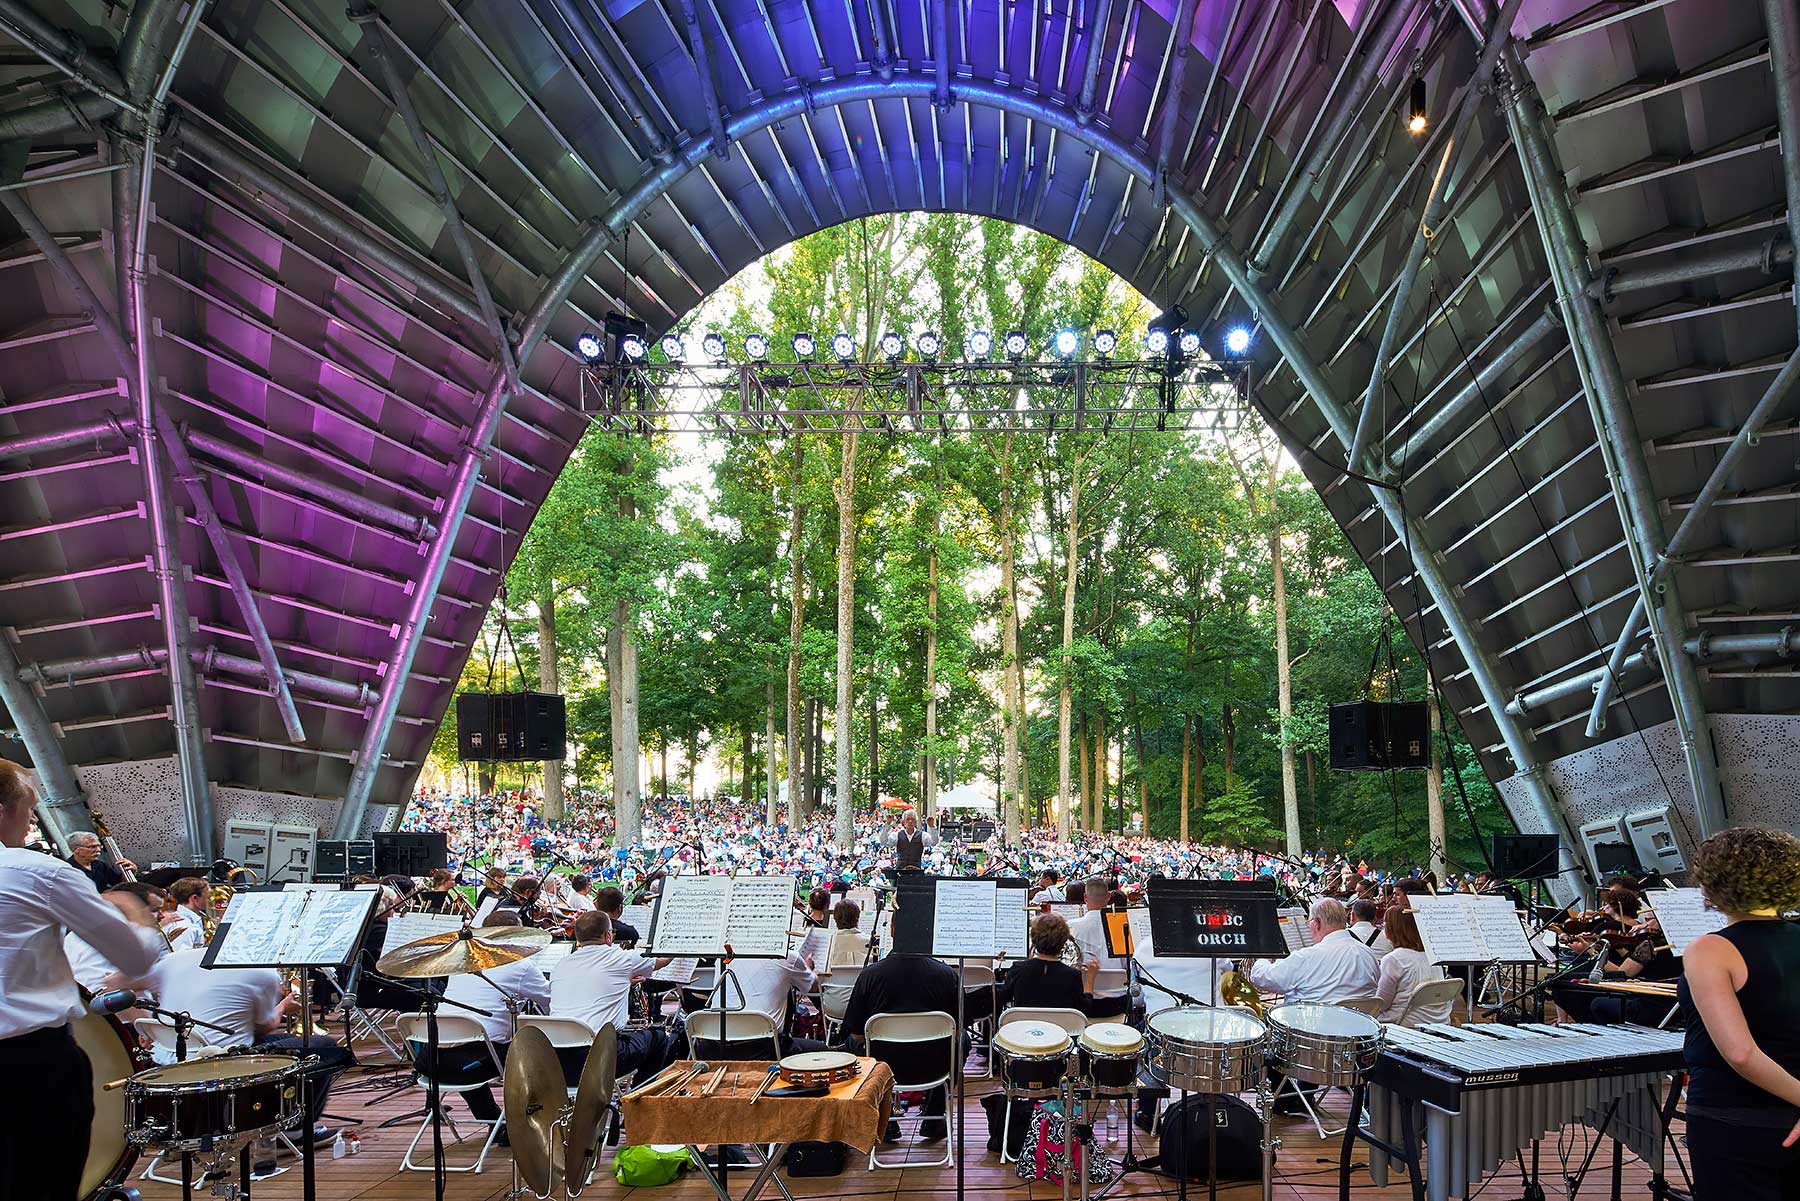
1237 340
589 348
757 347
1157 341
1067 343
673 348
713 346
1188 343
1015 344
632 349
1105 342
843 346
981 345
805 346
893 346
1417 120
929 345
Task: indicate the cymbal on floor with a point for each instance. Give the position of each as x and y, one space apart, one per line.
462 951
535 1094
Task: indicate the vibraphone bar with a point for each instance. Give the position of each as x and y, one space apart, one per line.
1480 1095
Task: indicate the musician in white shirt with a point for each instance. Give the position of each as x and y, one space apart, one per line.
1336 967
524 983
765 985
185 925
47 1104
1089 933
593 985
1363 914
1403 970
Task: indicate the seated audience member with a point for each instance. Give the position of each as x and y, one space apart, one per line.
1403 970
1044 980
593 984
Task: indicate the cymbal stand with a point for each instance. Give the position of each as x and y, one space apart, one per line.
429 1000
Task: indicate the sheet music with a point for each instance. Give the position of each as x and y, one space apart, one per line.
638 917
313 925
331 925
549 956
1683 915
411 927
1068 911
761 908
692 917
1498 923
1448 930
816 944
962 924
1012 923
1141 942
259 933
1292 932
678 971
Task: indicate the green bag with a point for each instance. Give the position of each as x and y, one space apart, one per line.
648 1167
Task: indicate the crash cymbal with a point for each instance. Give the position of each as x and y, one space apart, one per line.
592 1100
535 1094
463 951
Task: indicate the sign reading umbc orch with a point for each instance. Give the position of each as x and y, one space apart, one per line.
1215 919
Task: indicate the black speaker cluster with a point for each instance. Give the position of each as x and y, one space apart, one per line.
510 727
1380 736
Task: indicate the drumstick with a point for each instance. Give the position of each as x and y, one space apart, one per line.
110 1085
668 1077
713 1084
774 1070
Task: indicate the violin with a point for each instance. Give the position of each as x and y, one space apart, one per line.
1586 921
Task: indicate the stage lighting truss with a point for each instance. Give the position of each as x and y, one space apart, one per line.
929 398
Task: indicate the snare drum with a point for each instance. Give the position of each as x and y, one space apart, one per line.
819 1069
201 1103
1205 1050
1034 1057
1323 1044
1109 1057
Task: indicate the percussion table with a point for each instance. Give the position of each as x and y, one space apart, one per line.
854 1112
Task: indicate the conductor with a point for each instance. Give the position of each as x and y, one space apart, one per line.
910 843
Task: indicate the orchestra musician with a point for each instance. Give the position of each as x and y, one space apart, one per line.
84 856
593 985
579 898
522 983
47 1104
1089 933
1336 967
441 895
93 970
185 922
1740 996
611 902
1403 969
1628 937
1045 980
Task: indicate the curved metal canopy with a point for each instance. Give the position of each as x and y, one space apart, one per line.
351 469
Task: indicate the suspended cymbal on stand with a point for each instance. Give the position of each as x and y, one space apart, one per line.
463 951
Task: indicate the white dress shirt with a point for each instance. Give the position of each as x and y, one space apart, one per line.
1198 978
187 931
766 984
1050 896
577 902
1089 933
1369 935
521 979
244 1000
1335 968
1402 972
593 984
41 899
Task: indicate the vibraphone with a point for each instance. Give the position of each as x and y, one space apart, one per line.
1482 1094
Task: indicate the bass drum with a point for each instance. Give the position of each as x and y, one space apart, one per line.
111 1048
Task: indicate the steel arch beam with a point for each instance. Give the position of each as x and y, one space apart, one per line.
975 93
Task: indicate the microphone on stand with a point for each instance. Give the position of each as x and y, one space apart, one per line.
1599 968
112 1002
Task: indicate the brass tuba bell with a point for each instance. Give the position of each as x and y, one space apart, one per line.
1235 988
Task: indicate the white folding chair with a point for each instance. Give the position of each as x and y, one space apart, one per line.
565 1034
1113 979
1073 1022
1368 1005
453 1031
1428 996
886 1031
833 1002
735 1034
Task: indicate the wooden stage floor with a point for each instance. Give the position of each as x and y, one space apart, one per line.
1306 1167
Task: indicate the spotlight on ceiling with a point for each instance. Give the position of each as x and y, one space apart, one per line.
929 345
1188 344
805 346
757 347
1416 120
632 348
1157 341
1105 342
843 346
589 348
1067 343
981 345
1237 341
673 348
1015 344
713 346
892 346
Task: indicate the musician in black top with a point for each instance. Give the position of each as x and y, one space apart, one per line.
910 843
84 856
1044 980
1740 995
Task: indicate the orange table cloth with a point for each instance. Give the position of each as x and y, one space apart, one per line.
855 1111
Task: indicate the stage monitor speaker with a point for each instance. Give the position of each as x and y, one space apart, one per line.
1380 735
509 727
1525 856
411 853
247 842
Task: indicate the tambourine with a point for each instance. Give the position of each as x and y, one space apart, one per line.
819 1069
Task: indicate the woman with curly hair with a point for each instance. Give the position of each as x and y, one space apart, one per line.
1740 996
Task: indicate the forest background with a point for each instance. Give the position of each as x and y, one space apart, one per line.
1126 631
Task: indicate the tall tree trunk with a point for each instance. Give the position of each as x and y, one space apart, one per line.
1434 784
1137 735
1009 652
928 784
874 749
1065 694
662 791
815 773
1101 767
622 700
1284 681
1087 785
749 772
796 731
546 638
846 635
769 748
1228 734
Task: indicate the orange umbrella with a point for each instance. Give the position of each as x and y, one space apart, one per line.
895 802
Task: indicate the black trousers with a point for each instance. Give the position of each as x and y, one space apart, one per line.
1735 1162
333 1059
464 1064
46 1115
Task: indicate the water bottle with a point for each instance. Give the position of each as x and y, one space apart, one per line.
1112 1121
338 1149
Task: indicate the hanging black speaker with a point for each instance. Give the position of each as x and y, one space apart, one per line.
510 727
1380 735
